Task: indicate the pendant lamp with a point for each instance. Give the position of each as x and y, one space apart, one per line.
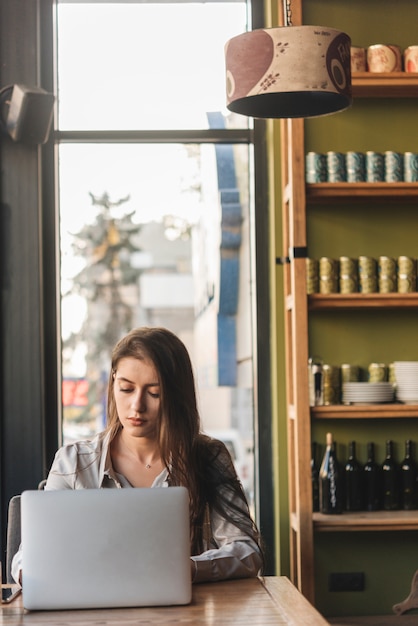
288 71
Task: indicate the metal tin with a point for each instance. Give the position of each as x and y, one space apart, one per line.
375 167
348 275
328 275
391 373
328 267
410 57
366 266
384 58
388 283
331 382
407 283
393 167
348 284
387 265
358 59
316 382
336 167
410 167
348 266
367 275
378 372
355 163
328 285
349 373
316 167
312 275
407 265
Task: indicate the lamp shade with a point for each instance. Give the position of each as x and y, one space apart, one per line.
289 71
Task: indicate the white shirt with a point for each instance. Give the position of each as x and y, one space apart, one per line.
87 465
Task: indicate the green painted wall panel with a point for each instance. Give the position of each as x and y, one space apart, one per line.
388 560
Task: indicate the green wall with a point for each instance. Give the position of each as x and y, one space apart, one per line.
388 559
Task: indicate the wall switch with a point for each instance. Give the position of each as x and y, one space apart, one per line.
346 581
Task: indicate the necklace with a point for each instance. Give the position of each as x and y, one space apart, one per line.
148 466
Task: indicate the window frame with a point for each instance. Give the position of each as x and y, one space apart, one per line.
254 137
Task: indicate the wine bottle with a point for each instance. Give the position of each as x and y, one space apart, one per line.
353 483
390 480
372 481
408 471
315 477
330 480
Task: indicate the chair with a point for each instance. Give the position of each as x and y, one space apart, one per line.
13 535
14 532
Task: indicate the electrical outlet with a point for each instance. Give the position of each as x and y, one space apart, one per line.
347 581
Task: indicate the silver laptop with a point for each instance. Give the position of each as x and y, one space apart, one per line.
97 548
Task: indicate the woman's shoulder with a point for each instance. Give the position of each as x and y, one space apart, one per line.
215 452
84 446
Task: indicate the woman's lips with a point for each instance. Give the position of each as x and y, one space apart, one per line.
137 421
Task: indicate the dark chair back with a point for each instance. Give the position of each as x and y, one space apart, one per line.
13 534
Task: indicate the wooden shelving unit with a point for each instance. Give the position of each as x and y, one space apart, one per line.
376 521
296 197
355 192
366 411
385 85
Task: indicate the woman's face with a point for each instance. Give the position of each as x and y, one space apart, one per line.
136 390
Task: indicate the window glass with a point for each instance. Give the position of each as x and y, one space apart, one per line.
145 65
155 233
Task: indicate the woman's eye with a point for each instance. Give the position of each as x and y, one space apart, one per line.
154 394
125 389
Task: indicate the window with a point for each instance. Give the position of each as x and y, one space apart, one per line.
156 204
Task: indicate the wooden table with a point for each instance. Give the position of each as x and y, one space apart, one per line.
250 602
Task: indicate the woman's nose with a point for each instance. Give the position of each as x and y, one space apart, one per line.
138 401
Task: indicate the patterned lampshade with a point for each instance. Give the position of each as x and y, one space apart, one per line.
287 72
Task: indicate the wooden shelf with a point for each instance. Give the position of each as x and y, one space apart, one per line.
318 301
365 521
356 192
384 85
365 411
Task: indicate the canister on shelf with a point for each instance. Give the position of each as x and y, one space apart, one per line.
358 59
367 274
331 384
316 167
384 58
378 373
387 265
407 265
393 166
410 57
328 275
349 373
312 275
407 274
356 167
391 373
336 167
407 283
387 274
316 382
375 167
348 275
410 167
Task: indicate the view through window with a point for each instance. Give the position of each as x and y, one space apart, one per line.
154 229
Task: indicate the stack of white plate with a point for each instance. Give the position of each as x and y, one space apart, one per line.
367 393
406 376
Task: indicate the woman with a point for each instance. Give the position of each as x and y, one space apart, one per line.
153 439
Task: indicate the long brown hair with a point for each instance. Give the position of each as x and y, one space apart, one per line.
195 461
